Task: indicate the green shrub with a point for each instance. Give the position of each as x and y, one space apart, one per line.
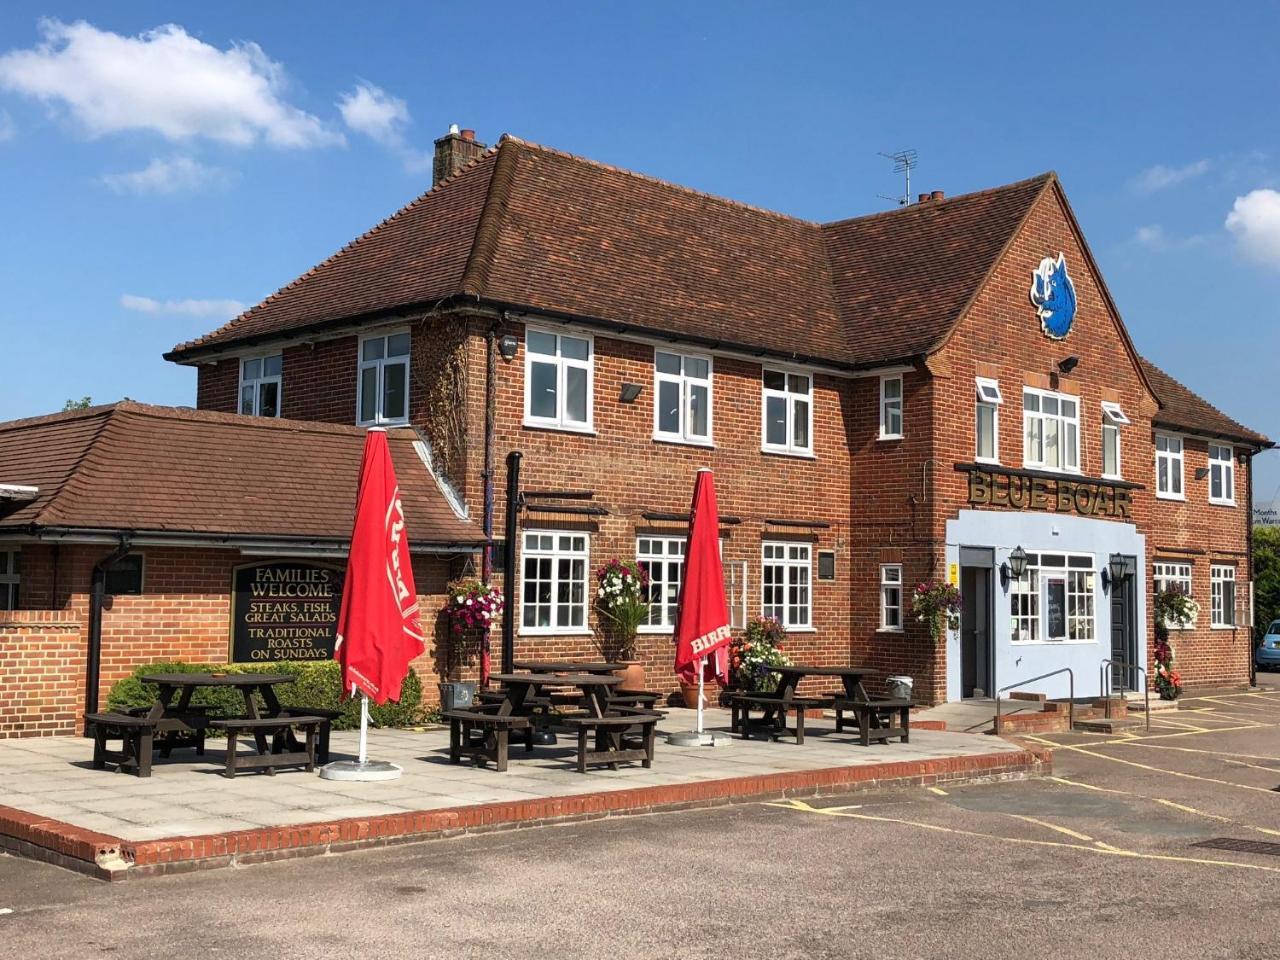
316 684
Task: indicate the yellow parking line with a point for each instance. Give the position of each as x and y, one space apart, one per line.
1179 725
1172 773
1211 753
1098 847
1053 826
1167 803
939 791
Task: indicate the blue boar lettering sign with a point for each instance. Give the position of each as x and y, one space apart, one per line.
1054 296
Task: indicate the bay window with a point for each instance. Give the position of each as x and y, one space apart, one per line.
558 375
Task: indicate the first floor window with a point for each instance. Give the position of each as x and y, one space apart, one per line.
554 592
890 596
786 577
10 575
557 379
988 420
663 559
384 379
891 408
1222 474
682 397
788 412
1169 575
1113 419
1051 436
1168 466
260 386
1222 596
1054 599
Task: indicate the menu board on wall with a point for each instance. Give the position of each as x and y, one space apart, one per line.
284 610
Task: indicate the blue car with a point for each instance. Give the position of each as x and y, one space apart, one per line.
1267 655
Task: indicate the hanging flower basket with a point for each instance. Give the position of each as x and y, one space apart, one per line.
473 604
938 604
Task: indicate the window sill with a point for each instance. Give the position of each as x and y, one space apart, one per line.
553 632
802 629
1181 497
1222 626
1112 476
987 460
890 630
657 631
587 431
366 424
793 454
1221 503
680 442
1058 471
1053 643
891 436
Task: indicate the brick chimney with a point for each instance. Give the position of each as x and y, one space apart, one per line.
454 151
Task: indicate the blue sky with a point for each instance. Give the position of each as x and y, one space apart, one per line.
140 205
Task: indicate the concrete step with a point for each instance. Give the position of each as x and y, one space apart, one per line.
1109 725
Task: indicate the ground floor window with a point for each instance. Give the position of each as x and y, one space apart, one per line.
554 589
10 574
891 596
786 577
1222 596
663 559
1054 599
1169 575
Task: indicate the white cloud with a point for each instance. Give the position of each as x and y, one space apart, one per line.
370 110
1152 236
217 309
174 175
1160 176
165 81
1255 221
7 129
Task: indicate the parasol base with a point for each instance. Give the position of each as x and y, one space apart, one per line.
355 770
692 738
544 738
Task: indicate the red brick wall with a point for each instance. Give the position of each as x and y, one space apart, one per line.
218 385
41 673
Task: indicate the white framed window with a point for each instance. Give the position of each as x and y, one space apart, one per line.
10 577
663 559
553 593
787 412
1113 419
987 422
1169 459
786 577
559 378
1168 575
1222 475
1222 596
1054 600
891 407
384 379
260 385
681 397
1051 430
890 596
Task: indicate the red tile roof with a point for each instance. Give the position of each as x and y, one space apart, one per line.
531 227
1183 410
148 469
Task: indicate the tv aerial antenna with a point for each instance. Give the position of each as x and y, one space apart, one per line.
904 161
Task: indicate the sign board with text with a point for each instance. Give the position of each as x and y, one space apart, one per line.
284 610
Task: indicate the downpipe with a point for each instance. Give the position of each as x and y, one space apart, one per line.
97 594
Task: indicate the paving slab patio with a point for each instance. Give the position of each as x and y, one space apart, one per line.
187 796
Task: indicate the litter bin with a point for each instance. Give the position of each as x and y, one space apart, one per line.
899 688
457 695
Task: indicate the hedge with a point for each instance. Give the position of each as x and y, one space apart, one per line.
317 684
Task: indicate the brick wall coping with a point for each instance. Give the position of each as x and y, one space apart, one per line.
113 858
57 619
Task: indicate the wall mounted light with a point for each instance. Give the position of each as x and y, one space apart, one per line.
1115 571
508 346
1201 472
1067 364
1015 568
630 392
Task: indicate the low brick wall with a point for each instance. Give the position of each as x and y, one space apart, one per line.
42 664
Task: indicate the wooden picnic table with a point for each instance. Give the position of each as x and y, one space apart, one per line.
567 666
850 677
519 687
775 706
174 717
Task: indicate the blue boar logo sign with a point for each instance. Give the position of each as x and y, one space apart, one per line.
1054 296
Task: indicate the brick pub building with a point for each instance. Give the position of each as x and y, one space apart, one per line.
916 394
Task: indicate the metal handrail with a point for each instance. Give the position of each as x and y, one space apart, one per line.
1071 694
1104 676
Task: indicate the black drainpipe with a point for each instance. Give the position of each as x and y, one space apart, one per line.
97 593
1252 632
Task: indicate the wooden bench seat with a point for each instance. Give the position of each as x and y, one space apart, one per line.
176 731
285 749
485 735
875 718
774 709
136 736
647 699
610 747
326 716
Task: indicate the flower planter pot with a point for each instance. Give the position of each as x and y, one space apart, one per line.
632 676
690 694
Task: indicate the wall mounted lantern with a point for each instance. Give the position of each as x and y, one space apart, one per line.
630 392
1015 568
1067 364
1115 571
508 346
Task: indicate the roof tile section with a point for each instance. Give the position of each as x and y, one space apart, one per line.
1184 410
531 227
131 466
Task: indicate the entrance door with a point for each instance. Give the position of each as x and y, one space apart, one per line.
975 632
1124 645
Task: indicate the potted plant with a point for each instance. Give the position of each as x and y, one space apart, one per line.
753 654
622 599
937 604
1174 607
472 605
